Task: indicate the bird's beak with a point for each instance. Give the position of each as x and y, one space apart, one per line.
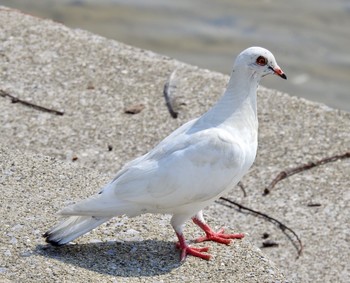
277 71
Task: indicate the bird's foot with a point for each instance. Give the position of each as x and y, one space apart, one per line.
219 237
188 250
211 235
197 252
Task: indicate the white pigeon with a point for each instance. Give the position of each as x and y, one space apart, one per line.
189 169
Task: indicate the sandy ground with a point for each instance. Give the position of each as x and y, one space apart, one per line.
92 80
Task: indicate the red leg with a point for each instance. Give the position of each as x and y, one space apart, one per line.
219 237
187 250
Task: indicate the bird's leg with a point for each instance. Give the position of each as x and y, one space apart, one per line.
177 221
211 235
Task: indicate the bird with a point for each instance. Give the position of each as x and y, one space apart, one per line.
188 170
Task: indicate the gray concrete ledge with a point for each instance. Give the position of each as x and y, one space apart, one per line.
92 79
142 249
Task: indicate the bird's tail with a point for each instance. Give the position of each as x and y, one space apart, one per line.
71 228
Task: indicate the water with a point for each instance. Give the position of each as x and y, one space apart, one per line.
310 39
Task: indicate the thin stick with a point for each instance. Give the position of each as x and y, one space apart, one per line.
172 112
240 184
26 103
168 92
289 172
280 225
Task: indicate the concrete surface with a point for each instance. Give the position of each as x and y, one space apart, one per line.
93 79
142 249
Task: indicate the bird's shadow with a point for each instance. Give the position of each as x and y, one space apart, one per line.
125 259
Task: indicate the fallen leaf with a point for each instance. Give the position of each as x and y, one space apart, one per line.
134 109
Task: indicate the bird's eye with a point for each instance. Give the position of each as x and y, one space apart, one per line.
262 61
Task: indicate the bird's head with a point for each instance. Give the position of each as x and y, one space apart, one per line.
259 61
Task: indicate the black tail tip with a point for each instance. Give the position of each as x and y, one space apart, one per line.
47 235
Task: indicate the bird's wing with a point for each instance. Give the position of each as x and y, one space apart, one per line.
191 168
106 203
188 169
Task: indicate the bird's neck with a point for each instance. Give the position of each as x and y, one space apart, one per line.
238 104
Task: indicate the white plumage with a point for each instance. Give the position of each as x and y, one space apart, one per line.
189 169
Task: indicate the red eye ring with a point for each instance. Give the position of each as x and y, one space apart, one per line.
261 60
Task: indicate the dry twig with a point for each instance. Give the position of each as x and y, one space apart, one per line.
173 113
168 92
240 184
289 172
32 105
280 225
173 99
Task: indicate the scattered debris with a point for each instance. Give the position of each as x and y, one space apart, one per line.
134 109
90 86
269 244
74 158
311 204
280 225
26 103
282 175
265 235
240 184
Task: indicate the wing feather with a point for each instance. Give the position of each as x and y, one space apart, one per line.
177 172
